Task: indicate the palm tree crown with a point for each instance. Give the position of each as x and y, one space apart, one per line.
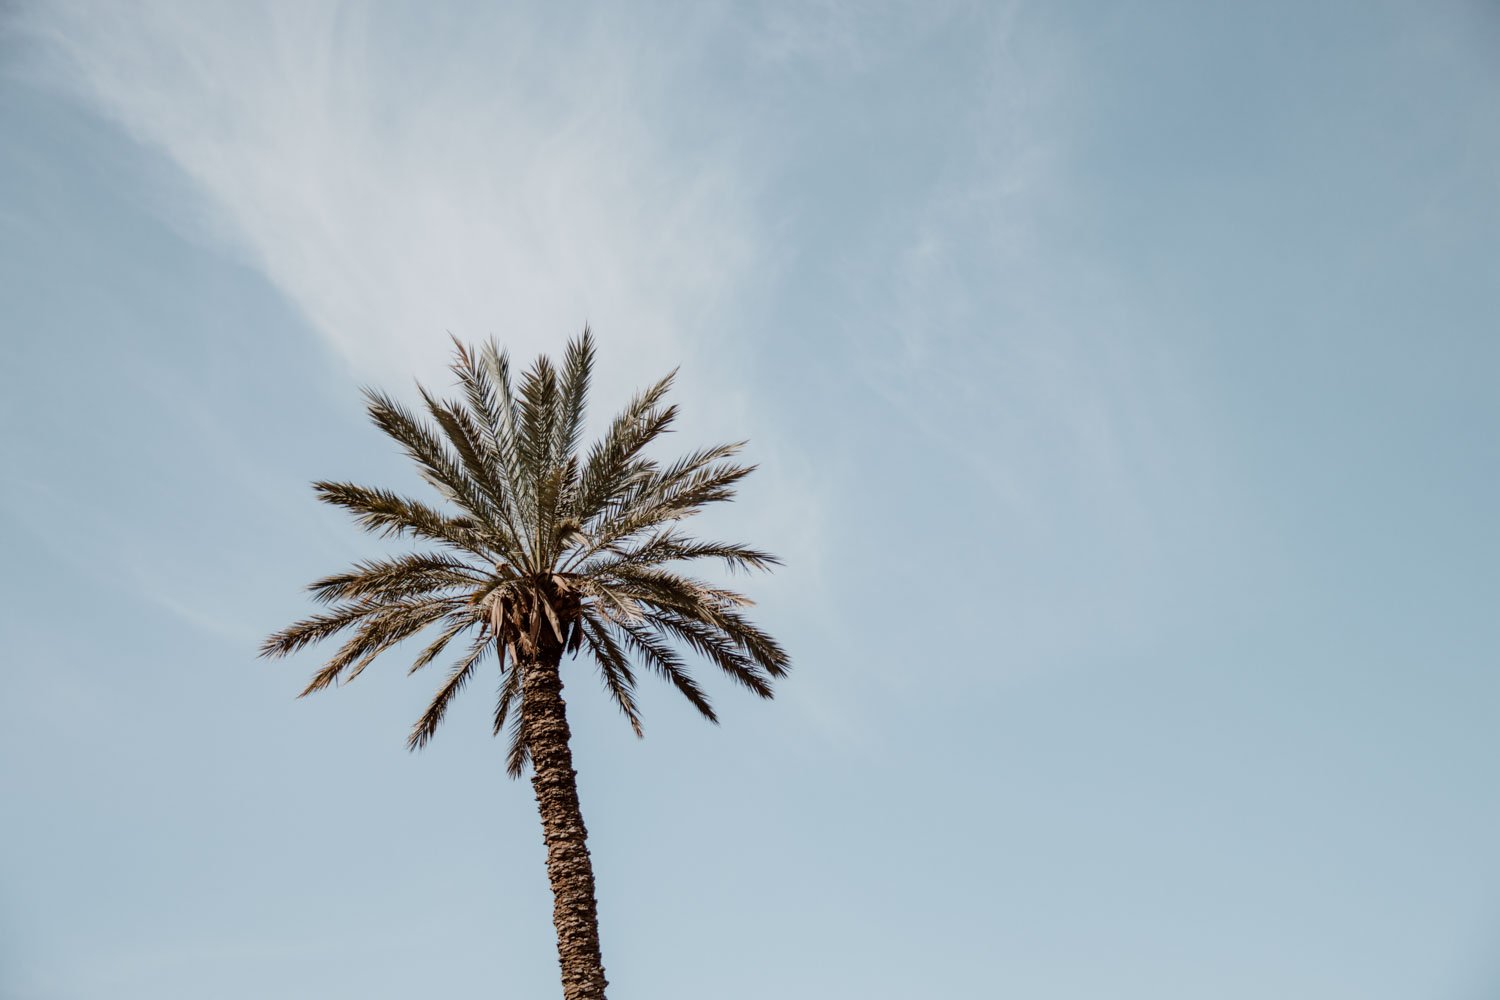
540 550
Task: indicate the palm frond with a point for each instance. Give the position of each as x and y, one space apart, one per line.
510 691
421 733
613 463
396 621
485 378
391 515
614 669
481 461
716 646
438 465
762 648
663 659
577 372
518 752
318 627
403 576
685 598
538 401
650 504
510 706
665 588
668 545
435 648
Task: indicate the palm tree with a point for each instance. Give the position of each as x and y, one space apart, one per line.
540 551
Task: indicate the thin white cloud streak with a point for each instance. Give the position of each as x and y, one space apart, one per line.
479 174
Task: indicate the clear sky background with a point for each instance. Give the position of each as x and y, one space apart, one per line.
1124 379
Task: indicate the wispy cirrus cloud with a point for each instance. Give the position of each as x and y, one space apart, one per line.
398 172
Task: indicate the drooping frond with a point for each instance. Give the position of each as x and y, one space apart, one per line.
421 733
762 648
435 648
517 754
663 659
664 588
509 696
692 603
508 708
717 646
378 631
318 627
614 669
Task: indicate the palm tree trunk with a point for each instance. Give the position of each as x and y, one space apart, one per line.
574 911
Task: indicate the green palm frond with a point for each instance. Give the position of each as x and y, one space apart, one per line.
390 515
398 621
651 502
663 659
438 464
484 377
422 732
481 462
614 464
318 627
718 647
614 669
404 576
578 371
669 546
436 646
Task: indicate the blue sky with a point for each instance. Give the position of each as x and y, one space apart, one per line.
1124 382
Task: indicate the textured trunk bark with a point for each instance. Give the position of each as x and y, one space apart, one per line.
574 911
